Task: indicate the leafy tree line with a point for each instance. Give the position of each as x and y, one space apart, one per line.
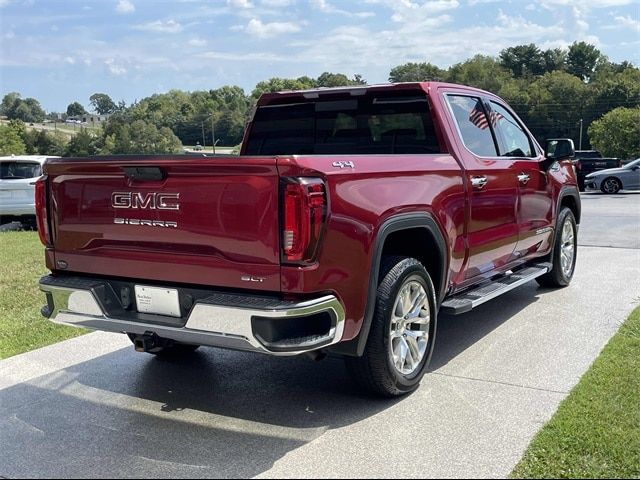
555 91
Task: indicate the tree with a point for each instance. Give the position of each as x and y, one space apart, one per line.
82 144
416 72
612 90
555 59
138 137
523 60
102 103
557 102
278 84
41 142
10 141
16 108
582 60
9 104
75 109
328 79
617 134
480 71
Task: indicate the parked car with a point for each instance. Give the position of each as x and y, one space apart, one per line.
613 180
351 218
17 197
589 161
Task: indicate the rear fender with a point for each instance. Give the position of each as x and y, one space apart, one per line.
396 223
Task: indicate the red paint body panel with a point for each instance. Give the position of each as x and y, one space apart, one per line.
229 217
361 199
227 222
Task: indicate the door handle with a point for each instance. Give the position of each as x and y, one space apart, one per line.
523 178
478 182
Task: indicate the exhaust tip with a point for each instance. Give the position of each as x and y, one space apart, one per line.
138 344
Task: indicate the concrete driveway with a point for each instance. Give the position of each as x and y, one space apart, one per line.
92 407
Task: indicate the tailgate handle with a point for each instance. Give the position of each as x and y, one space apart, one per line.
144 174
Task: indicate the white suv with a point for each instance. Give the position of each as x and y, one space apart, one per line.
17 193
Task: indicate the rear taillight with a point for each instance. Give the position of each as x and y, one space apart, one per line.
305 209
42 219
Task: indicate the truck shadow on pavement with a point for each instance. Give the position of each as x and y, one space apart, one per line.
215 413
456 333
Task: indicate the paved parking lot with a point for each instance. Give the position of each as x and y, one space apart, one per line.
92 407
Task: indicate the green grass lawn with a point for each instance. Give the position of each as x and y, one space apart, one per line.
22 328
596 431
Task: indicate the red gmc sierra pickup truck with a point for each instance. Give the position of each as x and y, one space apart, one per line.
350 219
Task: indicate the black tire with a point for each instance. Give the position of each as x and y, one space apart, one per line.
558 276
375 371
611 185
170 349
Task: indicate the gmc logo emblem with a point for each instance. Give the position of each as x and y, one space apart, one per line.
151 200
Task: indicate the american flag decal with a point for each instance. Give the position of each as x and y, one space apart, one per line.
479 119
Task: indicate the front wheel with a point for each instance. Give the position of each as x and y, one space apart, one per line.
611 185
565 252
402 332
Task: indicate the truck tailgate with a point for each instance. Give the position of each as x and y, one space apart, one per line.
195 220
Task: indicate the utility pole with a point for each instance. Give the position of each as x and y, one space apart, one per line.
580 143
213 136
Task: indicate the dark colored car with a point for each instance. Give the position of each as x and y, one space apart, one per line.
589 161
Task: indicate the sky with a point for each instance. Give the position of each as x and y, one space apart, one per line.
60 51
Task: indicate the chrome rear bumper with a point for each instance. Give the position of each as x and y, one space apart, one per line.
221 320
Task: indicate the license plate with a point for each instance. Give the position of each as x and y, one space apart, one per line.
161 301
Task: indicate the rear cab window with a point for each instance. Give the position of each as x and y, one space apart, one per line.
19 170
372 123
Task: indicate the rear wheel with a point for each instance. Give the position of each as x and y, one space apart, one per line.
611 185
402 332
564 254
165 347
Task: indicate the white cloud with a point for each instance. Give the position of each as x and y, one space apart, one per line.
244 57
115 68
197 42
4 3
326 7
628 22
405 11
363 49
170 26
258 29
125 6
70 60
277 3
243 4
588 4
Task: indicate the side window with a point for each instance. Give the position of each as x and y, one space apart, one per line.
472 122
512 139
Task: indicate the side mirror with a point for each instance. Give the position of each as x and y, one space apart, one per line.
559 149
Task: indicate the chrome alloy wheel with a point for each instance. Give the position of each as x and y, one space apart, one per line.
611 185
567 248
409 331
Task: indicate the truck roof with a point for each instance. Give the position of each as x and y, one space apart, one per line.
357 90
